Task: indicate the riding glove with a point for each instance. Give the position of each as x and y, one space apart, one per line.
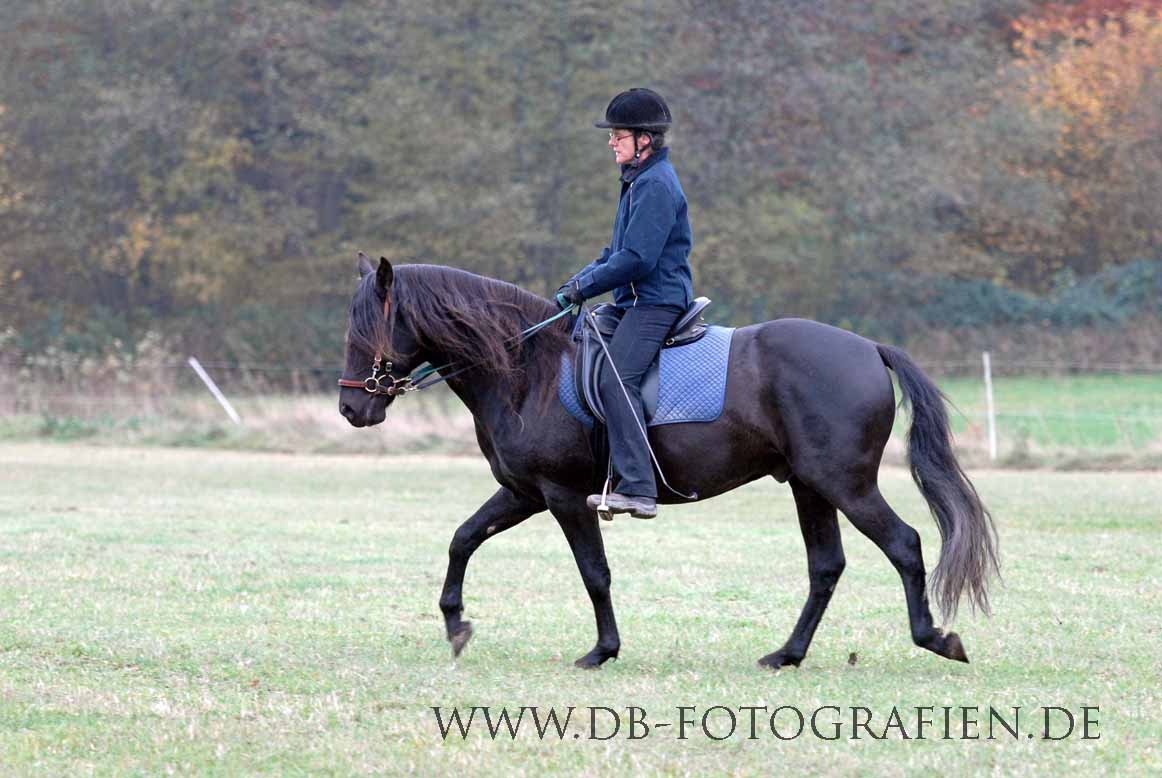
569 294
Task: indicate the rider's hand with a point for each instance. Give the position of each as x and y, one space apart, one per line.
569 294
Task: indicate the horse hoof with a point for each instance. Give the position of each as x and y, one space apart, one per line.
777 661
593 660
461 638
954 649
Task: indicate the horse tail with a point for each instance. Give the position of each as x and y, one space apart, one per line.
968 536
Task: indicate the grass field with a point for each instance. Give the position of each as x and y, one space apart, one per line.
224 613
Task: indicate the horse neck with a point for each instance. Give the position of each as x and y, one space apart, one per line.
485 394
484 391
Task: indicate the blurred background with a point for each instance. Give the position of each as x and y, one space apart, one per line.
193 178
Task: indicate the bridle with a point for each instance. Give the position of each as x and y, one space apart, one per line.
377 382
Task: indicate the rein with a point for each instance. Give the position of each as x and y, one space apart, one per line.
382 382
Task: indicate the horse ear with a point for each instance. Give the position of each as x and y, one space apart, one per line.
384 275
365 265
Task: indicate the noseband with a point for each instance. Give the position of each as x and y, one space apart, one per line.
381 381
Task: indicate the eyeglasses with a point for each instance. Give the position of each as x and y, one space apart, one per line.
619 138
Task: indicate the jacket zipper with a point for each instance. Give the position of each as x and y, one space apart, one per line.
628 205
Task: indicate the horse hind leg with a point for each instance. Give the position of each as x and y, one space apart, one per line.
871 515
825 563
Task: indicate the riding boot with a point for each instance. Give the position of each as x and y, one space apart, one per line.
638 507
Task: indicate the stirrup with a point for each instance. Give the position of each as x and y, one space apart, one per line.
603 511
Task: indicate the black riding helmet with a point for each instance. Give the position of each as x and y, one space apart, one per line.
637 109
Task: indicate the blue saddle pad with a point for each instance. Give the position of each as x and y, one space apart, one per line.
691 381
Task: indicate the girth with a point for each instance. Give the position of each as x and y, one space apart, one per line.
589 361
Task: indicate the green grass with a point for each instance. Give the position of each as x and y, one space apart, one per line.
1068 411
233 613
1084 422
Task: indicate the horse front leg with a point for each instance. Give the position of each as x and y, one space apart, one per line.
583 532
504 510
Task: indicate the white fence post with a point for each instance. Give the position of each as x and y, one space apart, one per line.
988 397
214 390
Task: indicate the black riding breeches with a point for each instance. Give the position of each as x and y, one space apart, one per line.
635 343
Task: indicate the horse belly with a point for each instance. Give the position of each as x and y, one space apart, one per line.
741 446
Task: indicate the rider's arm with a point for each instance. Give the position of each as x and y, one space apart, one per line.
652 211
600 260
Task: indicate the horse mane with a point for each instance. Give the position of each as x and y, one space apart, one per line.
466 319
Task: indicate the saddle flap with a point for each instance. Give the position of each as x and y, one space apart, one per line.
589 365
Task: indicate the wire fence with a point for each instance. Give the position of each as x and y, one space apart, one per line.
1039 406
963 367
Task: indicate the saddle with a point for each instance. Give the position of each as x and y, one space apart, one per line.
589 359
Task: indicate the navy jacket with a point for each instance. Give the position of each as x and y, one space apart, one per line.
648 260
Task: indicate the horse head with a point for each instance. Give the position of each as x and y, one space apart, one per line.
381 349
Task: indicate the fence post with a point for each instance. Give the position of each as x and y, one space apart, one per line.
214 390
990 410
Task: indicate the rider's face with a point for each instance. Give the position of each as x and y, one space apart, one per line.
621 141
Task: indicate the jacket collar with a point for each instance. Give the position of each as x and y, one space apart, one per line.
629 172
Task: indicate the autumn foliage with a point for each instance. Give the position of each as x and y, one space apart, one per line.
1094 69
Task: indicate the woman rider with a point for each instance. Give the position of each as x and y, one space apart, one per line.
647 266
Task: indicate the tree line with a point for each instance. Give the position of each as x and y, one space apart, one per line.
204 170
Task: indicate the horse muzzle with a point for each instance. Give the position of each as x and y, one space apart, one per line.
366 412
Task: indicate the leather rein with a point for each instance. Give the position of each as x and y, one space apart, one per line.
382 382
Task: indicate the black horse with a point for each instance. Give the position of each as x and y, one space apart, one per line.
806 403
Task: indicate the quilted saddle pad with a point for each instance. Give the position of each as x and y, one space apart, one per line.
691 381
